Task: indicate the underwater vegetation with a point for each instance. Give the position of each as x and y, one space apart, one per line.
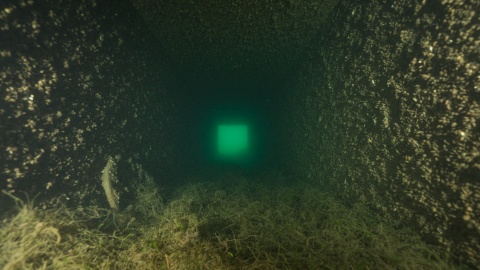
230 222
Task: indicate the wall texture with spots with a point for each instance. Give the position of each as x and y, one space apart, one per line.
80 82
389 113
211 38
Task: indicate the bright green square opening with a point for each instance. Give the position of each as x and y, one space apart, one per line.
232 141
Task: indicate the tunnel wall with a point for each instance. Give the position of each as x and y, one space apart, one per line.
386 111
81 82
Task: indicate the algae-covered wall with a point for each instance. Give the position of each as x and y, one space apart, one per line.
80 82
387 111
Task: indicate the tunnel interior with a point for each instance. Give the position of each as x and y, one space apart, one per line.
277 134
235 62
237 99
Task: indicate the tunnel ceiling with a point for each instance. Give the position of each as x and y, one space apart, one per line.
209 38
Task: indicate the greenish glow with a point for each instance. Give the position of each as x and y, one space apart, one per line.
232 141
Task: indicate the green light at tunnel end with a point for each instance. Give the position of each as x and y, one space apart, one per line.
232 141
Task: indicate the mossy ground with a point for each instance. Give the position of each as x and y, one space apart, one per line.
229 223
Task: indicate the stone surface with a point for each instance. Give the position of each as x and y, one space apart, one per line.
387 111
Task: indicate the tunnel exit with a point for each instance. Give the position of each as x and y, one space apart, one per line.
232 142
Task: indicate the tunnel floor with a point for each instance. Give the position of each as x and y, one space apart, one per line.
230 222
